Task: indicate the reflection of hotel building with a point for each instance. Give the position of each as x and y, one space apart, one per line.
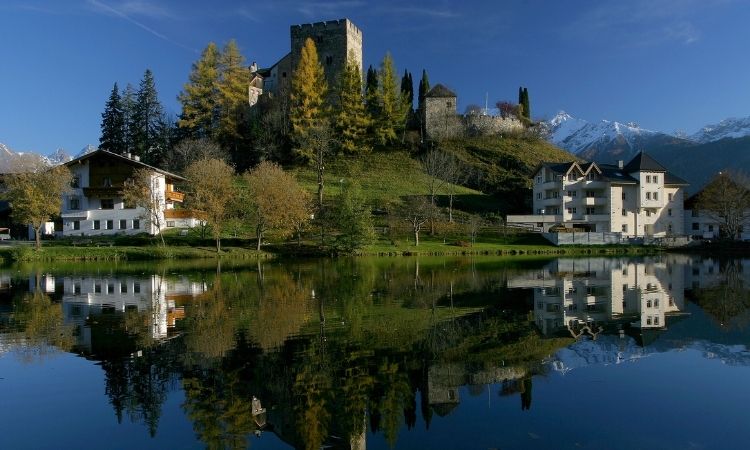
571 294
84 297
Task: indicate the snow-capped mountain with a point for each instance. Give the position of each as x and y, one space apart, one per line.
605 141
86 150
11 161
727 128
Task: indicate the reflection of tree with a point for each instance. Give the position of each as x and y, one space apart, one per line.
42 324
210 327
727 301
312 388
395 397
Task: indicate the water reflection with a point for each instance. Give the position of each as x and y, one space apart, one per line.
334 353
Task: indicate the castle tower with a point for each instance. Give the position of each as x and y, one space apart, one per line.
335 40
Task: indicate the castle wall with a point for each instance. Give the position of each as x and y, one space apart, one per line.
442 121
334 40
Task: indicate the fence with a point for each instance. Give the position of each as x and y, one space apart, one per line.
584 238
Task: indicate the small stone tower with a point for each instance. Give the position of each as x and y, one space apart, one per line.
334 39
440 118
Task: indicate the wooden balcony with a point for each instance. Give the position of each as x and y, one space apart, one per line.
173 196
102 192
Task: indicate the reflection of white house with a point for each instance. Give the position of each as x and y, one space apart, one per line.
96 207
86 296
576 293
640 198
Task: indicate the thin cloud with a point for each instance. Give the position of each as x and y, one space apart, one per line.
146 9
110 10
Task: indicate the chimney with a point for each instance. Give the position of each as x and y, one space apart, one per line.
128 155
253 67
620 164
136 158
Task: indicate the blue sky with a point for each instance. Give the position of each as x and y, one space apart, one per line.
665 64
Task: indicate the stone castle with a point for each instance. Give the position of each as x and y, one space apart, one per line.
335 40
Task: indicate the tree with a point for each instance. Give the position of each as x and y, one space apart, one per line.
212 187
391 106
189 151
320 141
128 100
437 165
507 109
473 110
726 200
279 203
147 121
36 196
416 211
526 105
309 88
353 220
143 190
407 90
424 88
371 92
524 109
234 78
113 124
200 95
351 119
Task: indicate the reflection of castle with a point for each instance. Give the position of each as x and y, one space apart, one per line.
155 298
584 296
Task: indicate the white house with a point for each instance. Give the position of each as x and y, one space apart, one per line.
638 199
95 205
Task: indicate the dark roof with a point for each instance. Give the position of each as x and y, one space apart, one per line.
440 91
609 172
125 159
643 162
670 178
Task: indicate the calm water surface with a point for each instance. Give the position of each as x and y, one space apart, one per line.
598 353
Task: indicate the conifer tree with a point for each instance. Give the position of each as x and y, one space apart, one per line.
424 88
351 119
128 99
234 108
520 95
526 105
407 90
200 96
113 124
147 120
308 110
371 91
392 108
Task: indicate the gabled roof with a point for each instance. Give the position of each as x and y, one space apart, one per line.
608 172
643 162
440 91
124 159
674 180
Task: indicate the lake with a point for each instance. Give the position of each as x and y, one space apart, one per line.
379 353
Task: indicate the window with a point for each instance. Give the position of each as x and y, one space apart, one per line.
107 203
136 287
75 182
656 196
648 303
648 178
555 194
76 224
329 60
77 287
656 303
624 288
106 182
170 223
572 194
448 104
710 228
136 224
571 210
110 225
97 225
648 213
656 320
624 212
624 228
696 226
538 195
590 210
648 320
283 74
669 212
694 213
669 228
648 196
97 288
123 224
74 204
110 288
539 179
655 178
624 196
123 287
590 194
670 197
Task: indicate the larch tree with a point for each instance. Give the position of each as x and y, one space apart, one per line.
212 190
351 120
392 108
200 96
308 108
278 202
234 78
36 196
142 190
113 124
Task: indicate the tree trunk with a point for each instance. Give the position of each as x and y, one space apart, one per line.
38 236
259 235
416 237
450 207
320 189
218 244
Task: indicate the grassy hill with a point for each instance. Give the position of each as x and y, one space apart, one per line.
498 173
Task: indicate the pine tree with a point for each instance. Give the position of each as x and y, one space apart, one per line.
147 120
351 119
200 96
233 105
392 108
113 124
309 89
128 100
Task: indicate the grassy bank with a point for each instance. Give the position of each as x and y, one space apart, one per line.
23 253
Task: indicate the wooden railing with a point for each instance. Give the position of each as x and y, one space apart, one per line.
174 196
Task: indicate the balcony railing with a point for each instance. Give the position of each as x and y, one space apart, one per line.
102 191
174 196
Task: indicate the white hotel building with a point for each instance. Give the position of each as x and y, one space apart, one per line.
637 199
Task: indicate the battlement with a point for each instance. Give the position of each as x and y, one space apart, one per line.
327 26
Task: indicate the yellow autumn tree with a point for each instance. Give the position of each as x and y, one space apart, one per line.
308 98
211 182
